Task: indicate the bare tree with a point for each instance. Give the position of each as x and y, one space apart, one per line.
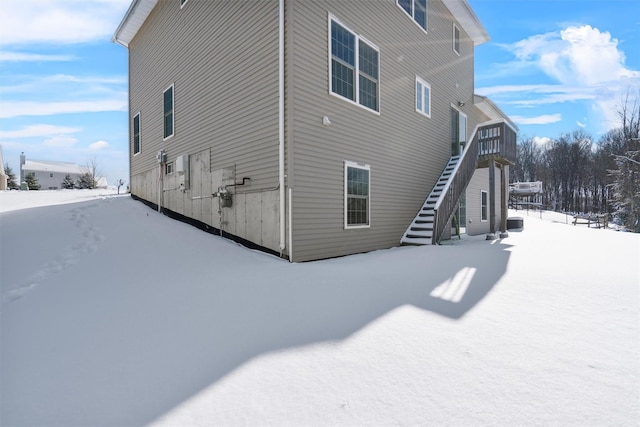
93 173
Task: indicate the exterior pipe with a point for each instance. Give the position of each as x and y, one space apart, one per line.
281 123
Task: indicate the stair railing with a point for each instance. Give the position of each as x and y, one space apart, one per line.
457 183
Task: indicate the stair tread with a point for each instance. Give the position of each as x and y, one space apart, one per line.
421 230
416 241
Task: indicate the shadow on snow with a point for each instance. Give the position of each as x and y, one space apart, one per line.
158 314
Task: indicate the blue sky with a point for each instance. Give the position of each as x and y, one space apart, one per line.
552 66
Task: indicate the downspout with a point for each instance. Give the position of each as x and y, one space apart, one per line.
281 124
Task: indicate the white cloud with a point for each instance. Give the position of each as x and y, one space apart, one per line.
6 56
59 21
544 119
575 56
29 108
38 130
60 85
587 65
541 140
60 141
99 145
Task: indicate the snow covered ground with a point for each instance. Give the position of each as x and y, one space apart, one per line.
115 315
14 200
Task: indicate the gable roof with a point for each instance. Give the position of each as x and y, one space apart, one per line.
139 10
59 167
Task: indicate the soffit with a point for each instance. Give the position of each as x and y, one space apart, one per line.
138 12
491 110
468 20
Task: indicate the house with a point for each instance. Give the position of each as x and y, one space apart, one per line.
313 129
51 175
4 178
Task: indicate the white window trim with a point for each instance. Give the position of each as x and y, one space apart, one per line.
173 111
347 165
413 8
357 67
466 121
182 3
139 134
453 36
166 170
487 206
415 100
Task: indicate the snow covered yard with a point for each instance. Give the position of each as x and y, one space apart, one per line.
114 315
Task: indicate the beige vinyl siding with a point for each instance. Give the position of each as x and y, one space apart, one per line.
480 182
405 150
222 58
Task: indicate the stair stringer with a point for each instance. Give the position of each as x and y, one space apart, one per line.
421 230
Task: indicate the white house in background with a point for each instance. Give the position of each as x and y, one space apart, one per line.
3 175
50 175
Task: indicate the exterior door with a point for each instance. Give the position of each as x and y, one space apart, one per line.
458 131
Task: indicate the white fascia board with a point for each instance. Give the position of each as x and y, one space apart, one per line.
468 20
137 13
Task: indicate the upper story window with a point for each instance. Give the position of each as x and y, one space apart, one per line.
182 3
416 9
423 97
456 39
136 133
168 112
354 67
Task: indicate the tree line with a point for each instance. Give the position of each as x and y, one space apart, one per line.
84 181
582 176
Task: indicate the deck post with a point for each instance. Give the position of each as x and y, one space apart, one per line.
492 196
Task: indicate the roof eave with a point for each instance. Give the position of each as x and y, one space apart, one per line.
489 108
137 13
467 18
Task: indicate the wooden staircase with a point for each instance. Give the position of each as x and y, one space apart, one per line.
421 230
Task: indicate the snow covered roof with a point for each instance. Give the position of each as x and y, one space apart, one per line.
139 10
60 167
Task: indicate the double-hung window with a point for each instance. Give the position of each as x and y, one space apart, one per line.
168 112
356 195
484 215
423 97
136 134
417 10
354 67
